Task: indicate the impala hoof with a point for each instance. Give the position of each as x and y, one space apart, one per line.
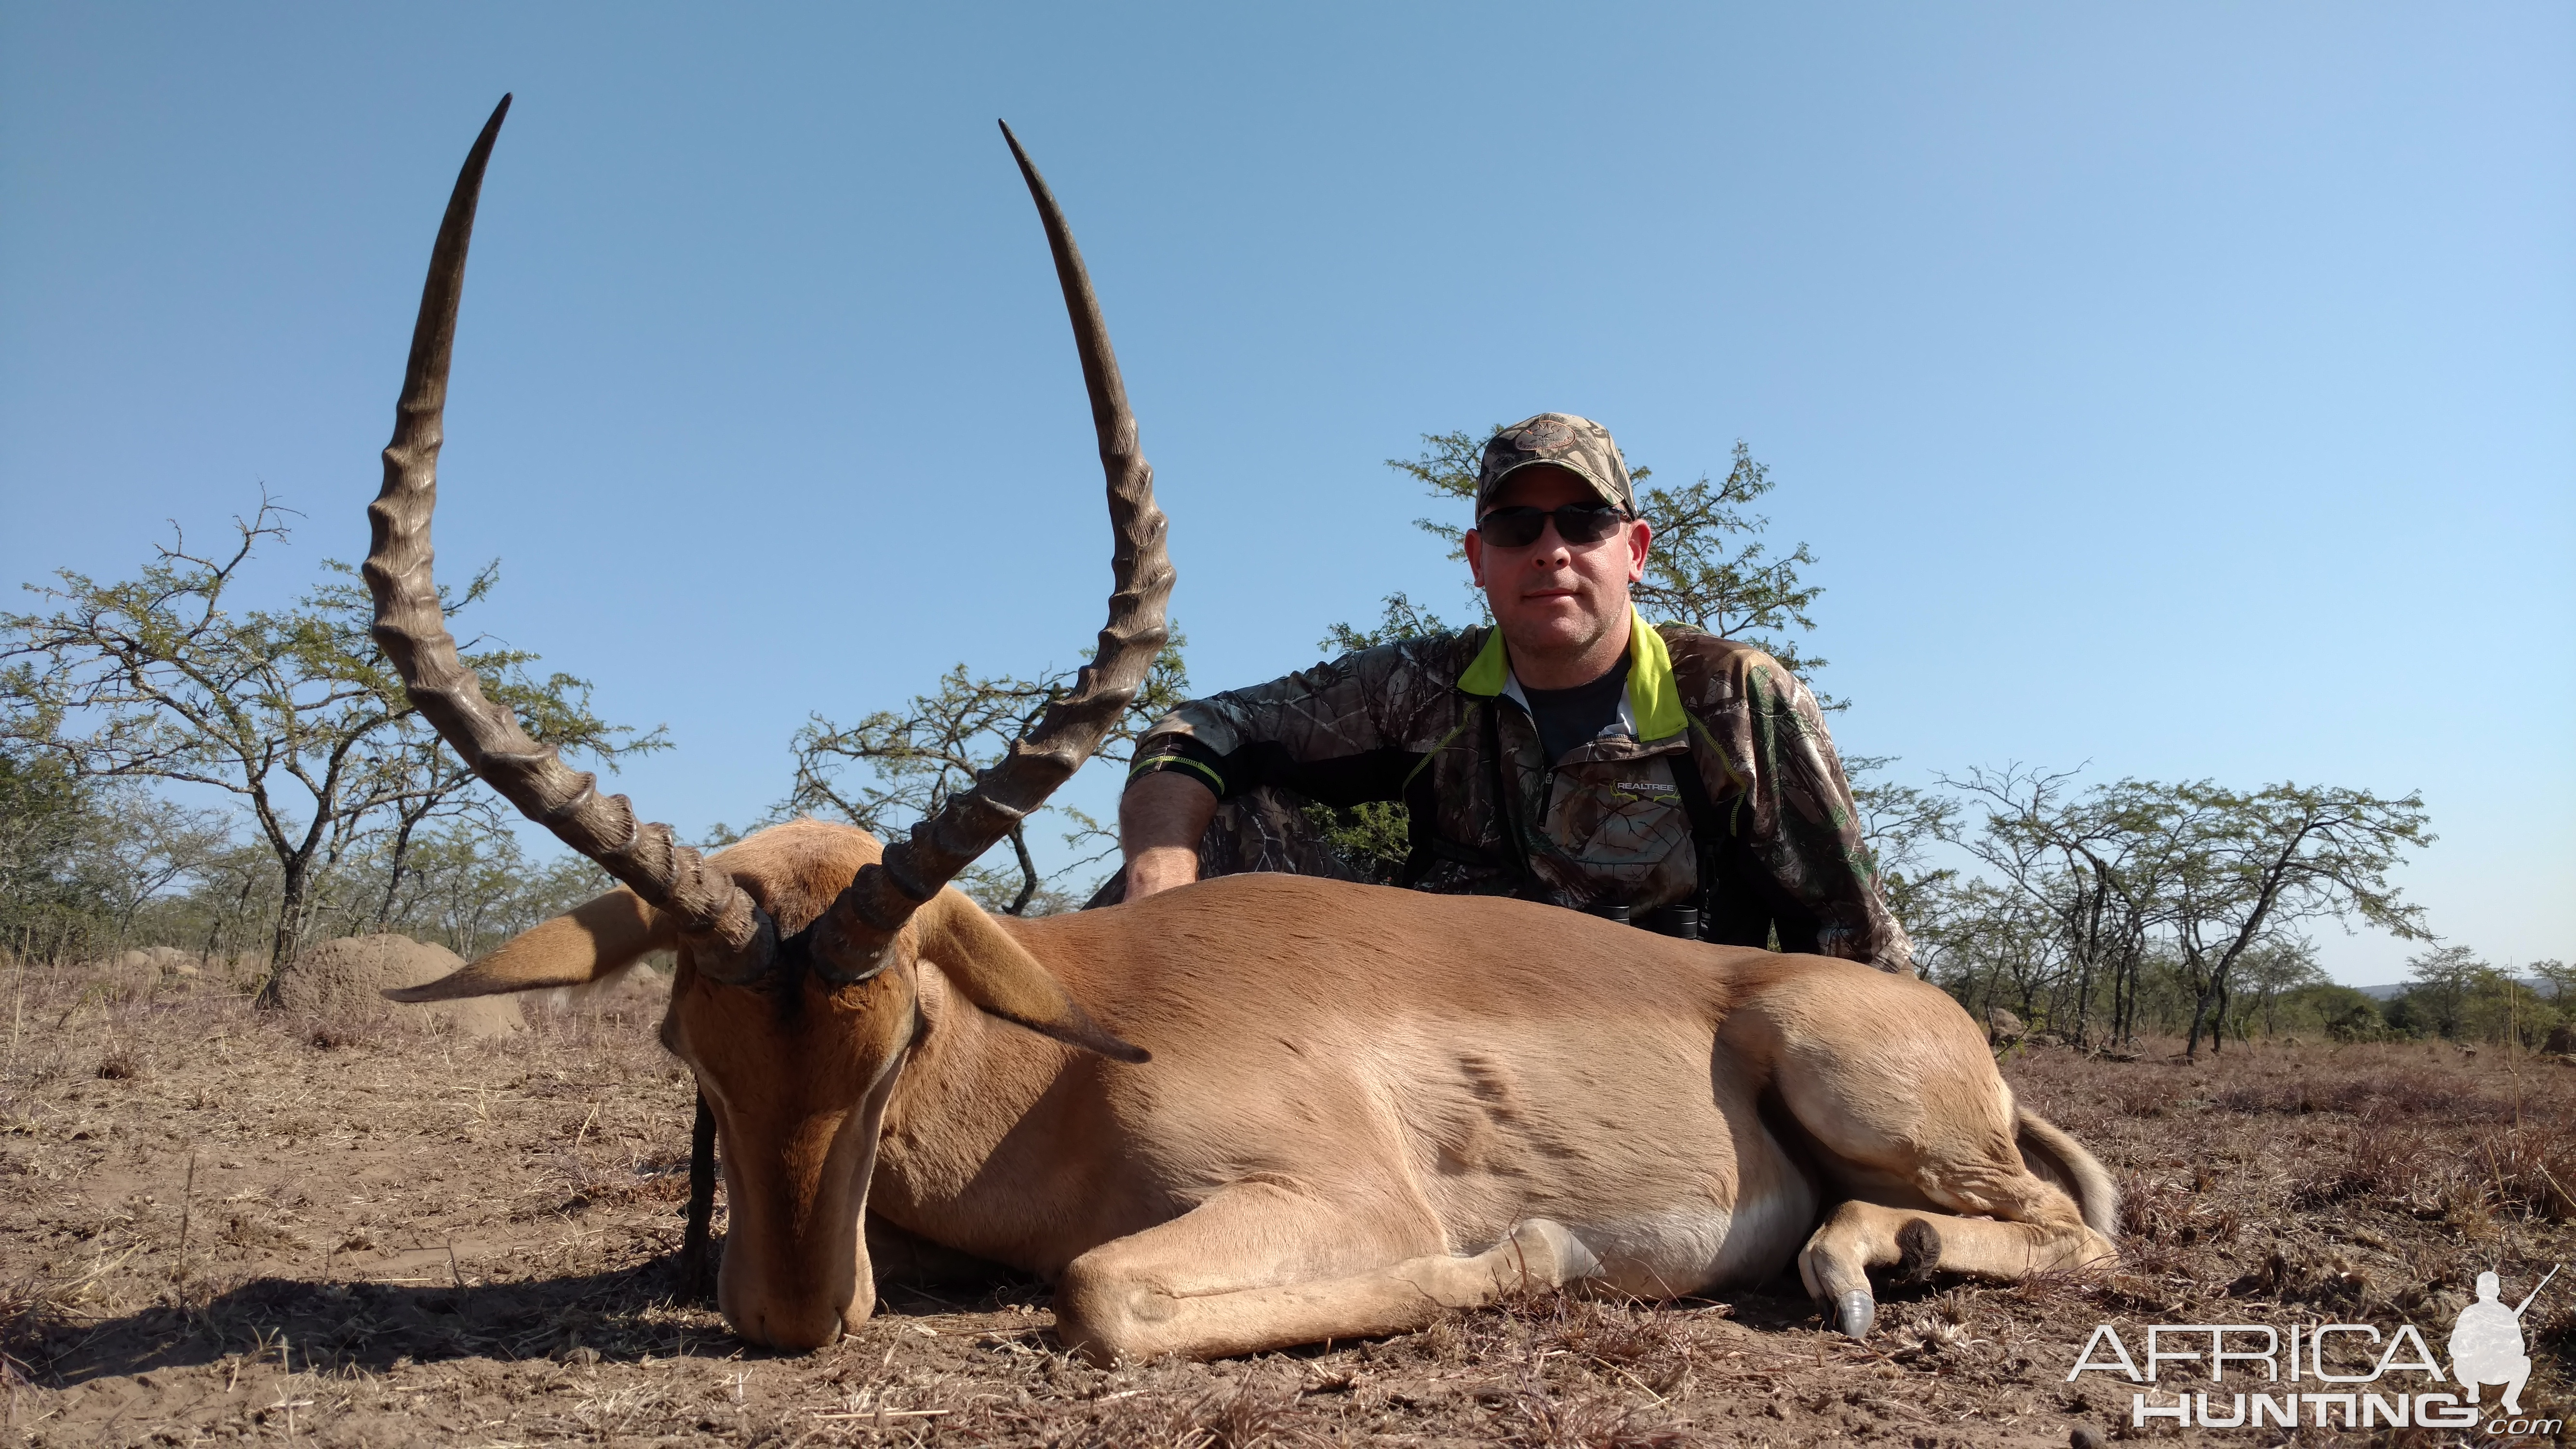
1856 1313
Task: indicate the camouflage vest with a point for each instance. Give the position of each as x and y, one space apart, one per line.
1769 838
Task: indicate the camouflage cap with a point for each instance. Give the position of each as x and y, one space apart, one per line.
1578 445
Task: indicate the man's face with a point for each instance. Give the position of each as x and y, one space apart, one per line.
1551 598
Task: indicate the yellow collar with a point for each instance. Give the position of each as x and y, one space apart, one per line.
1653 695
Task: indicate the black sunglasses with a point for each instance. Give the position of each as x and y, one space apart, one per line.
1575 523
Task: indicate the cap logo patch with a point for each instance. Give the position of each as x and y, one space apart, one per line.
1540 436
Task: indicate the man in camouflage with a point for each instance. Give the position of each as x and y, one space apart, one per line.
1569 753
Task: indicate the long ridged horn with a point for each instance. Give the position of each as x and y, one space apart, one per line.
412 628
851 938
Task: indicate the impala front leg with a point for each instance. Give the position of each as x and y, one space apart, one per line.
1259 1267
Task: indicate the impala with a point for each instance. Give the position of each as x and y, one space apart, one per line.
1248 1113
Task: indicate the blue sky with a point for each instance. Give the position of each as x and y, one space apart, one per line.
2186 390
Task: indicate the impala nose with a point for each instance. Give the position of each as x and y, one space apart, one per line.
800 1329
783 1309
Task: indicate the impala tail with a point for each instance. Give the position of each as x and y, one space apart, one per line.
2058 1159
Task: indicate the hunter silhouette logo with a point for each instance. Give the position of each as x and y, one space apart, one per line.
2486 1343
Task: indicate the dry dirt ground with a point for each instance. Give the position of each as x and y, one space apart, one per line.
217 1223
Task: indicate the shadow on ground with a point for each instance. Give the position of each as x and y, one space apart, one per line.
626 1315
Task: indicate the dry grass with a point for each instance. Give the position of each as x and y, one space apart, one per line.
395 1236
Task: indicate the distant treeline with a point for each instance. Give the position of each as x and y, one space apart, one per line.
2451 995
92 868
2182 909
2091 913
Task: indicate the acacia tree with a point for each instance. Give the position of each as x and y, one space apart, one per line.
235 901
2440 983
2560 977
147 844
50 900
2188 888
2081 859
471 888
2271 972
910 761
2246 866
294 712
1995 944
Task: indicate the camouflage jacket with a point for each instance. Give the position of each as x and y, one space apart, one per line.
1769 840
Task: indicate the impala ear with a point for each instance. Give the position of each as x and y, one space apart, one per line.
999 975
583 945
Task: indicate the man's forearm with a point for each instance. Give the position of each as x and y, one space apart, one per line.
1160 820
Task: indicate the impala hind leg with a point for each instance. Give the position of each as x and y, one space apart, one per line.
1891 1086
2036 1228
1258 1267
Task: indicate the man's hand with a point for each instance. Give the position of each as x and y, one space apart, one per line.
1160 820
